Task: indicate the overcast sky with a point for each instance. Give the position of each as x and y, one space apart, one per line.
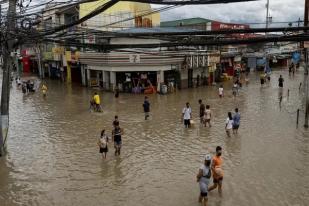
280 10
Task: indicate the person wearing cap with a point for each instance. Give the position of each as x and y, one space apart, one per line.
217 172
203 178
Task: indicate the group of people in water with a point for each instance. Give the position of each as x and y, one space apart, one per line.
30 86
103 141
232 122
212 167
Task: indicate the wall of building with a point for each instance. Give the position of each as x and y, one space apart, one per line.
121 10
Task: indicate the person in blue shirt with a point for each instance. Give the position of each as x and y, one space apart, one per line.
236 121
146 106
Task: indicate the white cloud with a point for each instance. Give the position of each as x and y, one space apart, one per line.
247 12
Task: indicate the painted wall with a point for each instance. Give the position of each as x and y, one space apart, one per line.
118 12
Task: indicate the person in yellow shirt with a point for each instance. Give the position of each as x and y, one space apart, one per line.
97 101
44 90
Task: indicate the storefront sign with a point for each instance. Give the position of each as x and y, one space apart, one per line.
48 56
135 58
214 59
225 26
72 56
237 59
58 50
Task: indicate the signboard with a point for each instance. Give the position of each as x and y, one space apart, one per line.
213 59
296 57
48 56
58 50
237 59
306 44
225 26
135 58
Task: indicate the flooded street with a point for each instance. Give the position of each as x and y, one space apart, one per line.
53 157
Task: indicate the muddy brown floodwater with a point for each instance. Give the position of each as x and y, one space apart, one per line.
53 159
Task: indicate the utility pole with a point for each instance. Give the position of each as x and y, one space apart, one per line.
267 13
7 64
306 68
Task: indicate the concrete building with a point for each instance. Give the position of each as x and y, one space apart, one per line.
135 14
129 68
229 54
54 62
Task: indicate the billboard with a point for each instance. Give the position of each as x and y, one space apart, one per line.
216 25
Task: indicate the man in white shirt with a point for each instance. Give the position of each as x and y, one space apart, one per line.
221 91
186 115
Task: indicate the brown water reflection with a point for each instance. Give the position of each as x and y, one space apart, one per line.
53 158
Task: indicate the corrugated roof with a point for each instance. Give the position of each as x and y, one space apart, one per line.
155 29
184 22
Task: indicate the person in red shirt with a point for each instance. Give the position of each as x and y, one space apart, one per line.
217 172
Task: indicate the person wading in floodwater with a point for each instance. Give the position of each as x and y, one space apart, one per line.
235 89
146 106
281 80
116 121
116 92
116 133
203 178
202 111
221 91
236 121
97 102
207 116
229 124
103 144
187 115
44 90
217 172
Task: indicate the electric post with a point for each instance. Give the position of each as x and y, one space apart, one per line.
306 67
7 64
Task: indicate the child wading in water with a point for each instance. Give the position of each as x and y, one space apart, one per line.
207 116
103 144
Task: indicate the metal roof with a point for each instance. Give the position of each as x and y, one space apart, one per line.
185 22
155 29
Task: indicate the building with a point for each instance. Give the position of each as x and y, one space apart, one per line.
55 62
130 69
229 55
122 15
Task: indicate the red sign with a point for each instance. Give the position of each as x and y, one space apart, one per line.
215 26
26 64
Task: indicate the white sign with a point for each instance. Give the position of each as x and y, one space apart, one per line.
237 59
213 59
135 58
306 44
